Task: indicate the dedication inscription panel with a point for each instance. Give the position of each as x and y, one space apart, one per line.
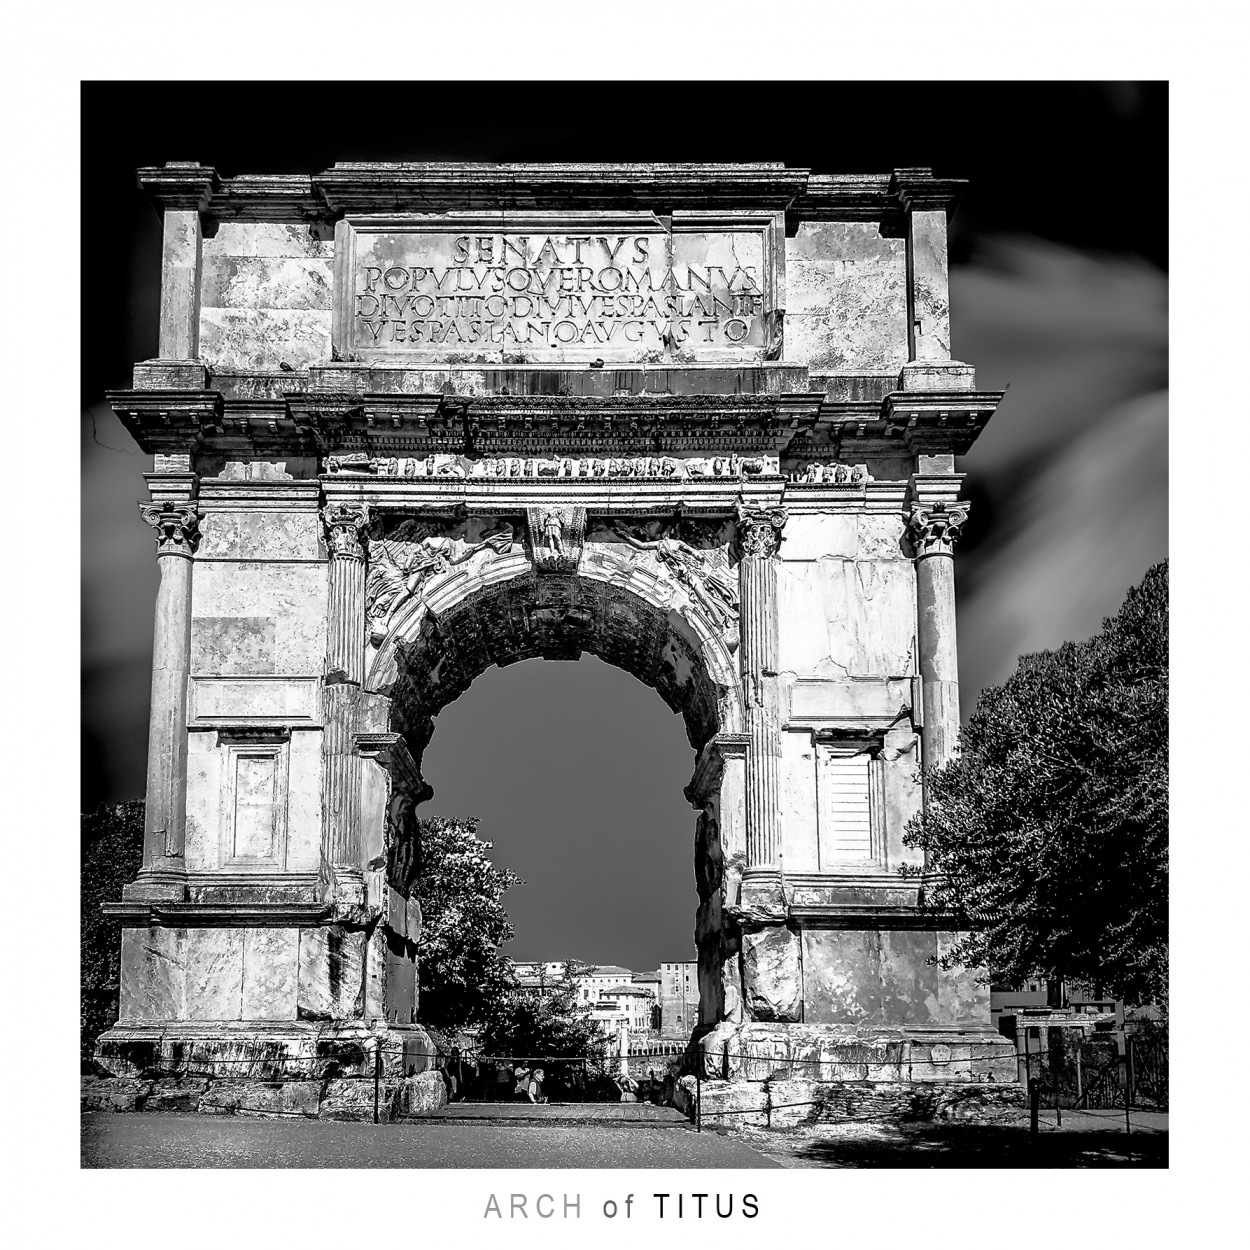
577 287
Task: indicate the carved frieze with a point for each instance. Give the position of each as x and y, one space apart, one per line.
668 468
361 464
832 474
176 526
934 529
674 468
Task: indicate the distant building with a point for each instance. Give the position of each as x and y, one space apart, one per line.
651 981
614 996
624 1005
543 978
679 998
595 978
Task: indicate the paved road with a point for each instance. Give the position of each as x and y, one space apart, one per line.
157 1139
1086 1139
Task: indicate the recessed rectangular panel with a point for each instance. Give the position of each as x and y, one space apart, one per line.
254 804
622 286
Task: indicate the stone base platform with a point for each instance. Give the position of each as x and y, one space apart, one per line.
758 1051
328 1099
782 1104
785 1075
311 1070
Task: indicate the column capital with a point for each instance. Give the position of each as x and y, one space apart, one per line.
759 529
934 528
177 526
345 524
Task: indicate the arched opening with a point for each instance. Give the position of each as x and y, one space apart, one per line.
576 772
634 614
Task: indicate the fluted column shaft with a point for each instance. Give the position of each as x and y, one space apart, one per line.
760 532
345 660
163 874
934 530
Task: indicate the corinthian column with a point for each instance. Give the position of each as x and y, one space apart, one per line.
345 662
933 529
759 531
163 874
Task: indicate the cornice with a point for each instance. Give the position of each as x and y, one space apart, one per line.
167 421
366 187
198 915
307 422
179 185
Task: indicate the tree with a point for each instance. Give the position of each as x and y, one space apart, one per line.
1046 837
547 1024
110 855
463 925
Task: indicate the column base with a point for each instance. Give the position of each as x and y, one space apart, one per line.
163 884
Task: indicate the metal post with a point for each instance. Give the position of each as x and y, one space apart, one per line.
377 1077
768 1102
698 1098
1128 1084
1035 1097
1079 1094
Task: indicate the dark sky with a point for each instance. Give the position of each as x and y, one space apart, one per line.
1058 288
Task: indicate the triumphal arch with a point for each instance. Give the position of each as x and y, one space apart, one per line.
408 421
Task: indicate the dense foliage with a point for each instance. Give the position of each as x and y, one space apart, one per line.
552 1024
110 855
1048 832
463 925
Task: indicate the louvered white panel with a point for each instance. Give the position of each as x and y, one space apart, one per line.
846 822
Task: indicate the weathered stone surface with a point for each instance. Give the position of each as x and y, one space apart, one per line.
846 297
847 617
260 536
331 974
214 976
422 1093
176 1094
153 975
114 1093
252 338
781 1104
772 975
262 1098
270 974
354 1099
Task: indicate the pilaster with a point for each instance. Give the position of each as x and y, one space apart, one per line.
926 203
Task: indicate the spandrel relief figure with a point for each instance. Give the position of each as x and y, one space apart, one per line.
704 575
400 567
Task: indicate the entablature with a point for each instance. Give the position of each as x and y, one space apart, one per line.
797 424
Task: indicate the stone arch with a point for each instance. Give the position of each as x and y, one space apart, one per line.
502 609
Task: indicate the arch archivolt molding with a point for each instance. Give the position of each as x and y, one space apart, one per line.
448 597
